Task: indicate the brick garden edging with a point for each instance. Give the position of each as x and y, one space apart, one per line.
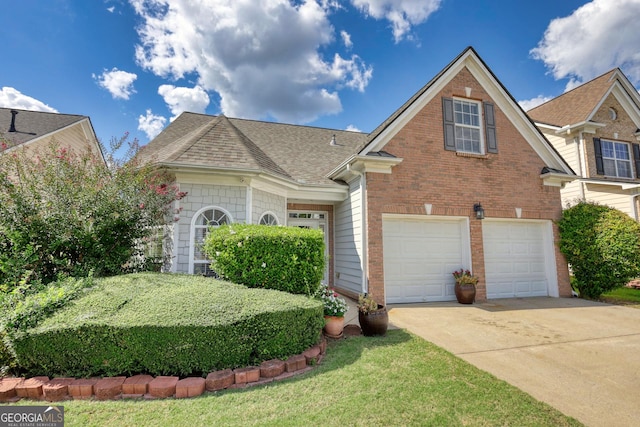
148 387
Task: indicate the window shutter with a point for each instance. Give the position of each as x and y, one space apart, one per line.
636 158
490 127
597 146
449 124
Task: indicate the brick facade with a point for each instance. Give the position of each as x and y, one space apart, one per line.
453 182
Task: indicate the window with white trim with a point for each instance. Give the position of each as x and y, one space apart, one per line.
268 218
213 217
469 126
468 130
616 159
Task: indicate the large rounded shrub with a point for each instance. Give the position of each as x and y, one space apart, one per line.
288 259
602 245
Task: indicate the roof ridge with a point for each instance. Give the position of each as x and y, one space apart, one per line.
193 136
256 152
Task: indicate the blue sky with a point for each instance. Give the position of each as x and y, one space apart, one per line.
133 65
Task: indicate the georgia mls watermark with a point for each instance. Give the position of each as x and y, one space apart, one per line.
31 416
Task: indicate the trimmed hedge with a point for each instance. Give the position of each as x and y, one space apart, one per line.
30 303
164 324
602 245
289 259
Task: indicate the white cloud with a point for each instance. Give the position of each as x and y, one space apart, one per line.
402 14
13 98
595 38
528 104
111 9
346 39
181 99
262 57
151 124
352 128
118 83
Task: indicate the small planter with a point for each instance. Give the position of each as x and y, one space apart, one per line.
465 294
374 323
333 326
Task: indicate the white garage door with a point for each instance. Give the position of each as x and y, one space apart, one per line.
419 256
516 255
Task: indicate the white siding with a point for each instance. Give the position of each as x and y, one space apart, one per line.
348 250
610 196
567 149
571 193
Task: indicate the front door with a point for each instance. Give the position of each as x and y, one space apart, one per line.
313 220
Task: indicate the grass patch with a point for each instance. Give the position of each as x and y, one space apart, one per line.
397 380
623 296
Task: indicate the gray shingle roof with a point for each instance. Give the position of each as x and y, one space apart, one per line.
299 153
34 124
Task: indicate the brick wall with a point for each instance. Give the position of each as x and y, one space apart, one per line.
452 183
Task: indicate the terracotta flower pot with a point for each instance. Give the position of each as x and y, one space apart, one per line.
333 326
465 294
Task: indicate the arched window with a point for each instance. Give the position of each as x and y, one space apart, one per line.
202 221
269 218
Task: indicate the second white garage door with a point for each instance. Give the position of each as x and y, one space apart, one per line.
517 258
420 253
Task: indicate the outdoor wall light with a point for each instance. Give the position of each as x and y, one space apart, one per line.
479 210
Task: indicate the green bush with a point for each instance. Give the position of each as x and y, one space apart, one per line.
164 324
289 259
72 213
602 245
30 303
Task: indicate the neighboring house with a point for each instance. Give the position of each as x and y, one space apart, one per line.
33 130
595 127
398 205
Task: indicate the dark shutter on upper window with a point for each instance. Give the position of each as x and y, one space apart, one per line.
449 124
490 127
597 146
636 158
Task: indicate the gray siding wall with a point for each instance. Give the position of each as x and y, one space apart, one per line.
264 201
233 199
348 240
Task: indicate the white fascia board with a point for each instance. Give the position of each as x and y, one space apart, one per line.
360 164
575 128
555 179
242 177
518 118
621 185
404 118
53 134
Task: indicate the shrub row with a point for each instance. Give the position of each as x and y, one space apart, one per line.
289 259
168 324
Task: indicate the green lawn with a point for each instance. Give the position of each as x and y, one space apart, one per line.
626 296
397 380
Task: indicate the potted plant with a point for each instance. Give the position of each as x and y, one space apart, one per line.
372 316
334 309
465 287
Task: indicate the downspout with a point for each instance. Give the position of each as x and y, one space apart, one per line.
634 206
363 215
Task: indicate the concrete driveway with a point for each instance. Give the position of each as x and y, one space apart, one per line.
580 357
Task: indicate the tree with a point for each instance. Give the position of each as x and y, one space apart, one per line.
602 245
63 212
